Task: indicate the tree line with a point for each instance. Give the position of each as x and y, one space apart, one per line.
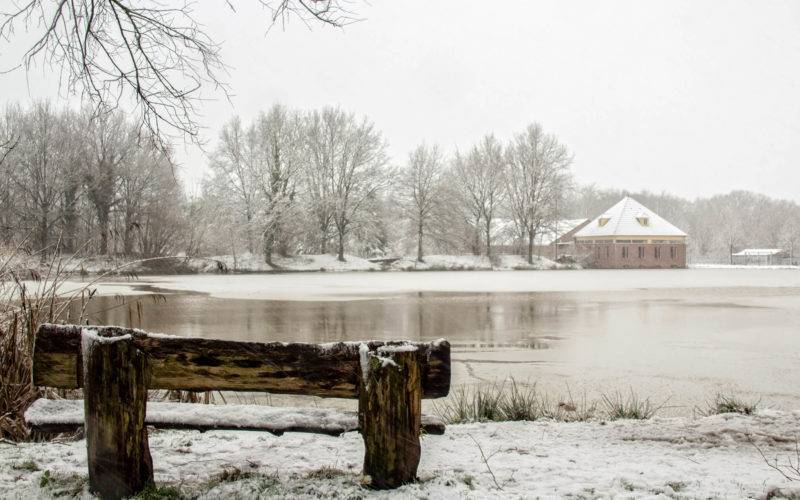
73 181
313 181
321 181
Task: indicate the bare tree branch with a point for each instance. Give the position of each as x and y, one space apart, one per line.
152 52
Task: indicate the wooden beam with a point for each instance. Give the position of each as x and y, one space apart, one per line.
67 415
199 364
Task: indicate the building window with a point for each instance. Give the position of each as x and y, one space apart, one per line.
672 253
641 252
624 252
657 252
644 221
602 221
608 251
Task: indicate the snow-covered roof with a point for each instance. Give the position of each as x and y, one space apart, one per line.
753 252
629 218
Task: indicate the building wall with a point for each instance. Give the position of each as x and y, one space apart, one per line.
653 255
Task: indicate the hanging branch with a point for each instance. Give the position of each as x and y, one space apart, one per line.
153 52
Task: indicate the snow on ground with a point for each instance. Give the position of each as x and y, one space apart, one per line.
444 263
472 263
738 266
249 262
705 457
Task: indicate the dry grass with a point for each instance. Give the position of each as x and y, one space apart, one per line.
729 403
630 407
511 401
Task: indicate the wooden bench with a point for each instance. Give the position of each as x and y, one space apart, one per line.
115 367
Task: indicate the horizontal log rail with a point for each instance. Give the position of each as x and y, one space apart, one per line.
200 364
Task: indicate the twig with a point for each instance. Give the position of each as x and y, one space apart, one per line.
486 462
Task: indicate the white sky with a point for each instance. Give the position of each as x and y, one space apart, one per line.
694 98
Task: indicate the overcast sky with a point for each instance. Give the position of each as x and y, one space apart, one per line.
694 98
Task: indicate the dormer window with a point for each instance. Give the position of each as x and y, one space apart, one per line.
602 221
643 221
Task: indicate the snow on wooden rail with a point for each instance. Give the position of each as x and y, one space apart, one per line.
198 364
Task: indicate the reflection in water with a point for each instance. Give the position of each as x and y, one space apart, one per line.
676 345
469 321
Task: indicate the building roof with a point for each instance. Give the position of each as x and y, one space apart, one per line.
629 218
753 252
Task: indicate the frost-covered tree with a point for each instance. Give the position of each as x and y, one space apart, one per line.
535 175
422 191
478 177
345 170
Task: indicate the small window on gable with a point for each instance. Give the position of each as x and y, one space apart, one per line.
644 221
603 221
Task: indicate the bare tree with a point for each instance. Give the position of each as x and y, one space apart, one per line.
111 143
231 163
421 189
345 170
152 52
276 174
37 170
536 169
479 177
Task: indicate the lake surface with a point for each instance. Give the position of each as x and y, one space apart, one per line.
676 336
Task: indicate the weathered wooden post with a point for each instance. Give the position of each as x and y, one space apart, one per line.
115 376
389 412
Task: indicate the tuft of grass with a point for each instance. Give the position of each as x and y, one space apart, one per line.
513 401
631 407
59 485
27 465
676 486
730 403
231 474
325 472
163 492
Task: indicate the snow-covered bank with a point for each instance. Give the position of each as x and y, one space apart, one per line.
475 263
708 457
27 266
738 266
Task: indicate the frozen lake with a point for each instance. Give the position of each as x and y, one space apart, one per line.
677 336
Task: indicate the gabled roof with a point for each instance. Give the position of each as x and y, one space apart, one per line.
629 218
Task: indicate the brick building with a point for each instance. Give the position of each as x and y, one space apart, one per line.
630 235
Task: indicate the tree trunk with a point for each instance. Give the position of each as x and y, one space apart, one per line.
43 230
115 398
127 234
488 237
102 217
70 218
531 237
389 408
269 244
419 242
341 247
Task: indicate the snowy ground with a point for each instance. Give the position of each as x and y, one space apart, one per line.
254 263
705 457
738 266
473 263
